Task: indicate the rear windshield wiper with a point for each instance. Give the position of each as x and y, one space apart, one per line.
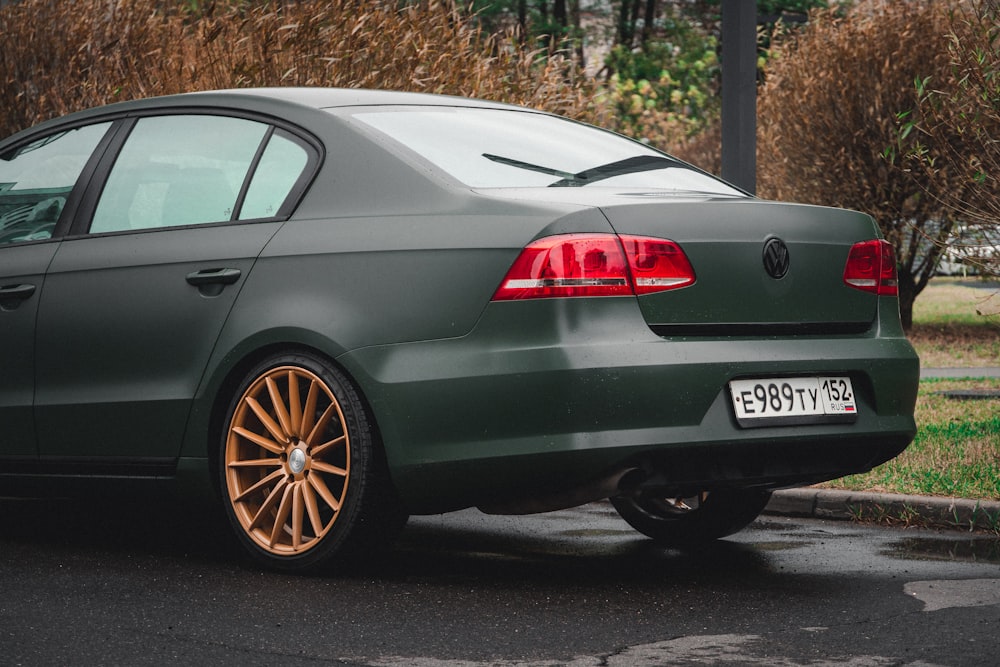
627 166
511 162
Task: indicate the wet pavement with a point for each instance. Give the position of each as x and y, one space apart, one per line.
85 583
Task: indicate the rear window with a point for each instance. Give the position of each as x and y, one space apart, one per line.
495 148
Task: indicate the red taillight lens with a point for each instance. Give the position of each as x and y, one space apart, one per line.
657 264
570 265
871 266
573 265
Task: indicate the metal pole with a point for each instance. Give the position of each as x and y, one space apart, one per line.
739 93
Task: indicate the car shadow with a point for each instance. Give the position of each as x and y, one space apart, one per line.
439 549
153 525
454 552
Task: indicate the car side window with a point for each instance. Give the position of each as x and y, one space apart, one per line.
178 170
36 180
277 172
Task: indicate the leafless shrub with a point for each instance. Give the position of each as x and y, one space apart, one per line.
827 116
961 116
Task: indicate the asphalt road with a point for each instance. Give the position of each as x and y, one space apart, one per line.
88 584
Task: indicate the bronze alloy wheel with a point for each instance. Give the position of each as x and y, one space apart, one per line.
287 460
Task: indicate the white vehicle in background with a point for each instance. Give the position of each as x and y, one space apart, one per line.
971 250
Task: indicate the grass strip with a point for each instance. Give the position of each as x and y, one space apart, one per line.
956 451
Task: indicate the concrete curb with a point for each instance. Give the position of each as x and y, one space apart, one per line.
955 513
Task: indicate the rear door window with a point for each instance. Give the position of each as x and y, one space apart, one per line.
178 170
181 170
279 169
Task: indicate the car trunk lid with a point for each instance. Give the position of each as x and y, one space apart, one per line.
761 267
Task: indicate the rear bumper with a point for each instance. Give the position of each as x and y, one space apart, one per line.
548 396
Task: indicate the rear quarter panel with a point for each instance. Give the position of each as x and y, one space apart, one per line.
338 284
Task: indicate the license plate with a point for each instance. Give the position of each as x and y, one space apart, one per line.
809 400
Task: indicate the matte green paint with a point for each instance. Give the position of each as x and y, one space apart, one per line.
724 241
559 376
386 267
20 266
123 338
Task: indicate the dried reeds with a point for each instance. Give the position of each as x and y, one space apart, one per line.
60 57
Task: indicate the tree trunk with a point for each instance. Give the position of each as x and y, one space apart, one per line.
625 25
907 294
559 13
543 12
647 25
576 31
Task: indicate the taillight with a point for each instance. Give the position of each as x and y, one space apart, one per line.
657 264
871 266
573 265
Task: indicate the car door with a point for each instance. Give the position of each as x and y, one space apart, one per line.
37 179
22 269
133 307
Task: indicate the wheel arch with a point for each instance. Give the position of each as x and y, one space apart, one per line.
304 481
206 424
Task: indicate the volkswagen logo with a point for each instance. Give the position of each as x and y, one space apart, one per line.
776 260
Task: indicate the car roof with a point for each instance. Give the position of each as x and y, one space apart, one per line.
279 102
324 98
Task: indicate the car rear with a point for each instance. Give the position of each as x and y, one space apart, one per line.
660 340
737 379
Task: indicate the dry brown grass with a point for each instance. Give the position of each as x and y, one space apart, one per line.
60 57
956 345
953 299
956 324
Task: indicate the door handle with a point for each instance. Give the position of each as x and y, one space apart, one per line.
11 296
214 277
19 292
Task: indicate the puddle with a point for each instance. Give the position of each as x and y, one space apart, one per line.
779 546
973 549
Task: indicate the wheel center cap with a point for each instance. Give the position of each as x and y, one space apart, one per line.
297 461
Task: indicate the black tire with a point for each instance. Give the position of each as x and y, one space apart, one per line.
693 521
303 475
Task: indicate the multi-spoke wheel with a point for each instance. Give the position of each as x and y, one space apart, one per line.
301 467
692 520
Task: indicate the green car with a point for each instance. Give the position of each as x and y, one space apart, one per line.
343 307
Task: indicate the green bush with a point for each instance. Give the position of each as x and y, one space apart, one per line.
666 90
